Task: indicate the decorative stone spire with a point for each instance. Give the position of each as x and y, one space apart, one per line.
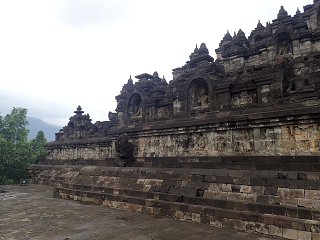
79 112
282 13
298 12
155 74
259 25
130 81
227 37
203 49
163 79
196 49
240 33
299 22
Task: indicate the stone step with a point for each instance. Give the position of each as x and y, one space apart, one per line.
311 167
272 224
191 197
231 162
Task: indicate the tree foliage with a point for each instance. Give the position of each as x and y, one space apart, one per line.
16 153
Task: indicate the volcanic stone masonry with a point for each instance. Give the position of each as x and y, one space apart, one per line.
231 142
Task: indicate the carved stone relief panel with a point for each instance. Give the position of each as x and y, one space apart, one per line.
163 112
243 99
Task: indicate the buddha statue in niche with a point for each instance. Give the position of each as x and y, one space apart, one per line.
135 108
285 47
202 99
137 115
299 84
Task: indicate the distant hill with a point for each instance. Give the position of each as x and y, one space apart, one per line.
36 124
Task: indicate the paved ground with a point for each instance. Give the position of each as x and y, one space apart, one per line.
30 212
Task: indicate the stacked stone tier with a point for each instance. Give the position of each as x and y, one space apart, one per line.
279 198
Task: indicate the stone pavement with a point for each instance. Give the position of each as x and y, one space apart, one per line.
30 212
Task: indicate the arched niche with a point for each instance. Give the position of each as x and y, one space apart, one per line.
198 95
134 107
283 44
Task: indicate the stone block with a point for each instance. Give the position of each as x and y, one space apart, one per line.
298 224
210 211
262 228
312 226
265 208
317 204
245 189
290 233
303 235
268 219
220 213
250 226
270 191
226 188
304 213
282 221
228 223
312 194
220 195
240 206
296 193
220 203
231 214
196 218
214 187
279 210
275 231
298 184
274 200
239 224
251 197
315 236
316 215
292 212
283 192
244 215
304 202
178 214
257 190
208 194
258 182
287 201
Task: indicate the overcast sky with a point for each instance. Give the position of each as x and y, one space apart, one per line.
55 55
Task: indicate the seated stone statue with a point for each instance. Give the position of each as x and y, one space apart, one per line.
299 85
203 100
138 114
285 49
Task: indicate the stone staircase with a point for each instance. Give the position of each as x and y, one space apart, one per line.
278 196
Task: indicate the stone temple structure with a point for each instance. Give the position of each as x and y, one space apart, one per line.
232 142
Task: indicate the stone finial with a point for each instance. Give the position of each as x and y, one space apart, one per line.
227 36
259 25
196 49
282 13
163 79
240 33
298 11
155 74
79 112
130 81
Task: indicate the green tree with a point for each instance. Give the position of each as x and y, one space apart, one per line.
16 153
37 144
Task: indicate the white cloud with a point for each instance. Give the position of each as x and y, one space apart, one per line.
84 13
